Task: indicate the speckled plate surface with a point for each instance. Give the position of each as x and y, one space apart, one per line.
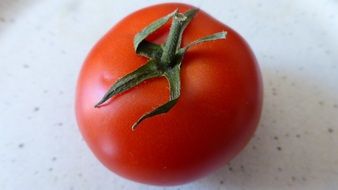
42 47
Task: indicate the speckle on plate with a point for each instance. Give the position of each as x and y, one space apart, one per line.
36 109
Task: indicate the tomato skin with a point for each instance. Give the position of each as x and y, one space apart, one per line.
215 117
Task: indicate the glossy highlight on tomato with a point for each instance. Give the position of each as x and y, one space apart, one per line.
214 118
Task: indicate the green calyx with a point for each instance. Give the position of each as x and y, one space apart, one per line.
164 60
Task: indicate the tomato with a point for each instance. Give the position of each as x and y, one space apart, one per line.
214 118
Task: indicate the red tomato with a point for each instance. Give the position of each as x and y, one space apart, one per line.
214 119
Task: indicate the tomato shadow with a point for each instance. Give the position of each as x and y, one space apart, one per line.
293 145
